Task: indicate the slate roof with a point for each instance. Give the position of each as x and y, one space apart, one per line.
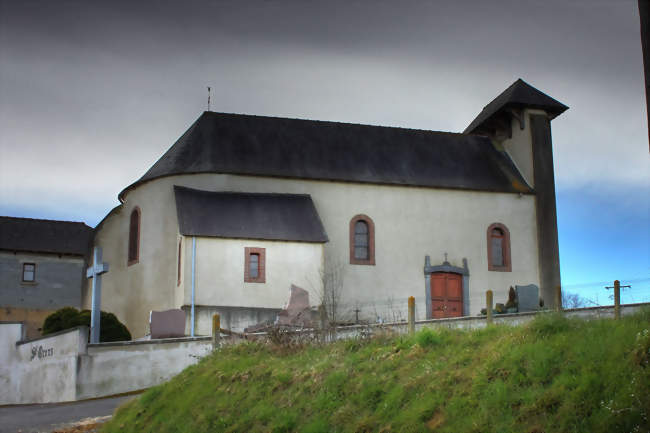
287 217
519 94
44 236
309 149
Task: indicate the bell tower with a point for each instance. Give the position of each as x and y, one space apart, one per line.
518 122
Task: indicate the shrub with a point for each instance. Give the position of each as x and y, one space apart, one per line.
546 325
429 338
65 318
111 329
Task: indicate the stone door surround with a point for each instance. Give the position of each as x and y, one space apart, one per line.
449 268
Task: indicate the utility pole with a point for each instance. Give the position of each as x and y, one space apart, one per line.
617 298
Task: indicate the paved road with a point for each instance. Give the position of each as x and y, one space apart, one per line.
39 418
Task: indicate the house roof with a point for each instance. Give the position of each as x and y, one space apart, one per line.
287 217
309 149
520 94
44 236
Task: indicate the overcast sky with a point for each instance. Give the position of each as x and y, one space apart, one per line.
92 94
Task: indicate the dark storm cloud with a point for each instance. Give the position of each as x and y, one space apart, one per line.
91 93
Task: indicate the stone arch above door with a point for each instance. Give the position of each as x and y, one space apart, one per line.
449 268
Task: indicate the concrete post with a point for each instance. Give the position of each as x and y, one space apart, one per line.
411 315
558 298
617 299
488 306
216 331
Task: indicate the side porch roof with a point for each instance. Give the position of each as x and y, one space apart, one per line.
243 215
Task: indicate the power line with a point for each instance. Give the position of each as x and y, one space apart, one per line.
601 283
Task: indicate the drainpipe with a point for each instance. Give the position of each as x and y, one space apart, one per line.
193 273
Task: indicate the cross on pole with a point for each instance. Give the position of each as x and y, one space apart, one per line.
95 272
356 313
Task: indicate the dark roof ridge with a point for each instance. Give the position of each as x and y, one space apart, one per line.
332 122
518 81
46 220
252 194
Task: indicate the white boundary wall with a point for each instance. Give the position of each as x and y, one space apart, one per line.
115 368
63 367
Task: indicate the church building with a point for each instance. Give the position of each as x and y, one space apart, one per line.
242 207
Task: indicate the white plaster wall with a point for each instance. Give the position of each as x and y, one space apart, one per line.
220 272
130 292
41 379
519 146
10 333
233 318
116 368
410 222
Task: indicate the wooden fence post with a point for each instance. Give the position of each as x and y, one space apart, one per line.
411 315
488 306
617 299
216 331
558 298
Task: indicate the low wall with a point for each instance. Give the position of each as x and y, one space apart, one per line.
140 364
468 322
41 370
63 367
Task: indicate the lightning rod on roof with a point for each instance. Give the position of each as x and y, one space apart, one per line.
208 98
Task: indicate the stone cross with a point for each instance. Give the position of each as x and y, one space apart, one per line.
95 272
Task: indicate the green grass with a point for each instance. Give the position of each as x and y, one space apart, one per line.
554 375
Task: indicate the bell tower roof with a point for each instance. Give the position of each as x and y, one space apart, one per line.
519 95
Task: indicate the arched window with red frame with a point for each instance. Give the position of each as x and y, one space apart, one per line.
134 237
498 245
362 240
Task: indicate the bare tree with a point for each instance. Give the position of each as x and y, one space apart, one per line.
393 310
573 300
331 275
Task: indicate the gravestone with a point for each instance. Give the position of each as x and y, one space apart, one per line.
167 324
297 311
527 298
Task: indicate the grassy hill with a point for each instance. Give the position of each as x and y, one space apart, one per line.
554 375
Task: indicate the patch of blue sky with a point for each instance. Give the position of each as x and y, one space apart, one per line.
604 235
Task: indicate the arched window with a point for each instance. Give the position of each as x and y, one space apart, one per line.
134 237
498 244
362 240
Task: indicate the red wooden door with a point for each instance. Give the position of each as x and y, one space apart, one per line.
446 295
